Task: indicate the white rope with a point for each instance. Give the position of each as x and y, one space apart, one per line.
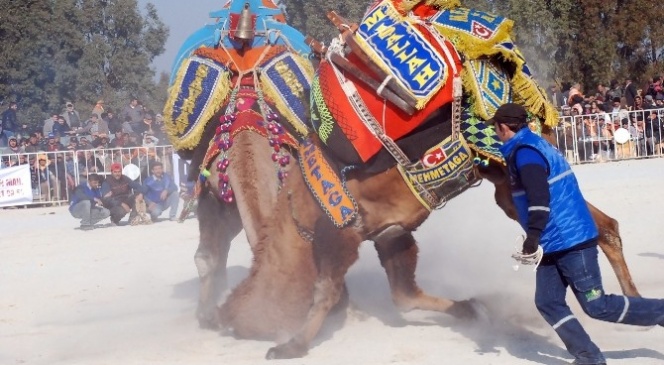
380 89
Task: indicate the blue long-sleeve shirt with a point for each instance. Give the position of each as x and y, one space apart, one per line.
153 187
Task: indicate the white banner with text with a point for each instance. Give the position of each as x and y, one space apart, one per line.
15 187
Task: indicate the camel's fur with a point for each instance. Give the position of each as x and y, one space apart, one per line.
268 312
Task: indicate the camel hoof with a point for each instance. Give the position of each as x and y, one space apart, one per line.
207 320
470 310
289 350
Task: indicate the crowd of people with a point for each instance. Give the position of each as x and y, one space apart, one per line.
66 130
596 116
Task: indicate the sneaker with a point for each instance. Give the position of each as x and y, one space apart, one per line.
87 227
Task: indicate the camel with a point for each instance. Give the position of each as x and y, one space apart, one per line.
388 213
230 122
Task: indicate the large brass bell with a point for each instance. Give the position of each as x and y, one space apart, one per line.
245 28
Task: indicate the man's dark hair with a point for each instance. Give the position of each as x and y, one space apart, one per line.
155 164
94 177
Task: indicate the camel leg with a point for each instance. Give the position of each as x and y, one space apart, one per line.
611 244
334 252
609 236
398 256
218 224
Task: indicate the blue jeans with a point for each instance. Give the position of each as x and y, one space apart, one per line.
580 271
171 203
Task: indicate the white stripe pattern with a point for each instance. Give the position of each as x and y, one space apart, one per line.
538 208
625 309
563 321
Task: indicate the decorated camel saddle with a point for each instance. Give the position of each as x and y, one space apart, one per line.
247 72
388 83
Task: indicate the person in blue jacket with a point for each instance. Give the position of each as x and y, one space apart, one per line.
161 193
555 216
86 203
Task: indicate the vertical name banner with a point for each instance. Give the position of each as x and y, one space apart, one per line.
15 186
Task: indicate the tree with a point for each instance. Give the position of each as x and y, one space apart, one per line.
588 41
77 50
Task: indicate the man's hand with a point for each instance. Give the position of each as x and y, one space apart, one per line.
532 242
163 195
99 202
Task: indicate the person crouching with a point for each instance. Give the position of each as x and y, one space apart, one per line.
161 193
119 193
86 203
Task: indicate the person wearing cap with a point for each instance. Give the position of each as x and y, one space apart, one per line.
95 126
557 220
86 203
53 144
161 193
649 102
119 193
72 117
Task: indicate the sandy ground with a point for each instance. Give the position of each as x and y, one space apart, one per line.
127 295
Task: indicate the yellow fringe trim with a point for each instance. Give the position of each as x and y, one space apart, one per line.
527 93
471 88
175 127
473 47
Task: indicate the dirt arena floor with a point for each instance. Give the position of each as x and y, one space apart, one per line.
127 295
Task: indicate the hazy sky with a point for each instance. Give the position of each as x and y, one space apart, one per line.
183 17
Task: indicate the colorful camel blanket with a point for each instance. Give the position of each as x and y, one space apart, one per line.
204 83
325 185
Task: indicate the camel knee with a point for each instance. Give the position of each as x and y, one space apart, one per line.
204 263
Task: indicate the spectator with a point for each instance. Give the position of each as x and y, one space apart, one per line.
95 126
119 193
12 145
655 88
150 141
9 121
73 144
112 121
132 113
47 186
648 102
615 91
53 144
161 193
33 144
630 93
101 143
117 139
61 128
659 101
48 124
98 108
653 132
86 203
71 116
84 144
90 163
4 138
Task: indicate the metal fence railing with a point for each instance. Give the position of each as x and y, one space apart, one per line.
612 136
54 175
616 135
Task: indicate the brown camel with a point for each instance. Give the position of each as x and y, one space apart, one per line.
236 105
388 214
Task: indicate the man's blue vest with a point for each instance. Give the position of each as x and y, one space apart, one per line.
570 222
